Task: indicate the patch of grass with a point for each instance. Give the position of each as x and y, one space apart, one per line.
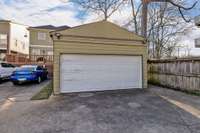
190 92
45 93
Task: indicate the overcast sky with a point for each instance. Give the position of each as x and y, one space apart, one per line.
59 12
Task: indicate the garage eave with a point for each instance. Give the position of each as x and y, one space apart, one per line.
96 40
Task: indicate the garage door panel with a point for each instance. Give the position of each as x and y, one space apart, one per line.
101 76
80 85
99 72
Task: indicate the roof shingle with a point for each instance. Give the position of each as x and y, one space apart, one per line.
51 27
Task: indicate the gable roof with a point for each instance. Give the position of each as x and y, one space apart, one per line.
101 29
10 21
51 27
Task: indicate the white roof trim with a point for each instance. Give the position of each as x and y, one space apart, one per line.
3 48
41 46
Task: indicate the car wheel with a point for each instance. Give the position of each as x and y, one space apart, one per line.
15 83
46 77
39 80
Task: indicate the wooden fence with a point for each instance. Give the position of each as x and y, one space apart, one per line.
181 74
16 58
19 60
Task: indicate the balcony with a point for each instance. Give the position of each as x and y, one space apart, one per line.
3 46
197 43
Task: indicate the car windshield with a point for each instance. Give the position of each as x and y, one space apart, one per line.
26 68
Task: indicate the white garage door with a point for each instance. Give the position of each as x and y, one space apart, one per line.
80 73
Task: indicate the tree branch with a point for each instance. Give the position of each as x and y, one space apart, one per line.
178 6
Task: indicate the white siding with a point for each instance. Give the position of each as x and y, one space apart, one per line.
19 38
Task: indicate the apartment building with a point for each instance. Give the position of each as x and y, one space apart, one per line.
40 40
14 38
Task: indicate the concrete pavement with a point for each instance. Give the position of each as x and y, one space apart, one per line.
20 92
127 111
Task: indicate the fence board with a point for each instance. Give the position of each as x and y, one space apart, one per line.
177 73
19 60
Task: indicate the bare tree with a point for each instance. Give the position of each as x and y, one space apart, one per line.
135 12
175 3
165 20
133 22
187 50
105 7
165 23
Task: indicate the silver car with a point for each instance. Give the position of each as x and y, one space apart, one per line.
6 70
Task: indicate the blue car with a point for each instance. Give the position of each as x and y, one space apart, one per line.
29 73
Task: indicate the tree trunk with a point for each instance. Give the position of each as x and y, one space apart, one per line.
134 17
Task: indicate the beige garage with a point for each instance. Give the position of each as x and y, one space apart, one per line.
98 56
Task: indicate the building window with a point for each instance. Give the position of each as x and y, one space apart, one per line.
41 36
43 52
2 56
3 39
16 42
50 53
35 52
25 35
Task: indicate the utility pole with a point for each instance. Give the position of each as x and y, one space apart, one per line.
144 17
8 44
197 23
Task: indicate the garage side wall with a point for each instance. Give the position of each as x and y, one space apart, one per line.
70 47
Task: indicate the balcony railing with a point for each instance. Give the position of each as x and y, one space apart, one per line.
3 46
